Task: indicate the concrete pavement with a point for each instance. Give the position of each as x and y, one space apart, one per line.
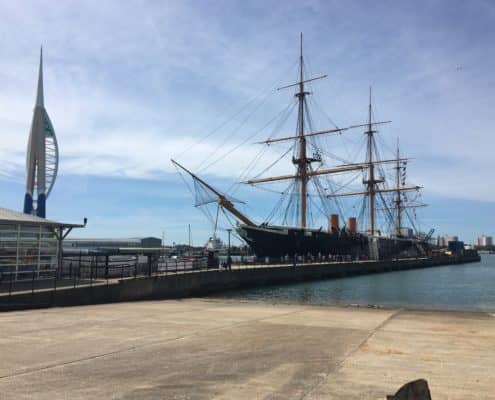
217 349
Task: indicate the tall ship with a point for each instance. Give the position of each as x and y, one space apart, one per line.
317 184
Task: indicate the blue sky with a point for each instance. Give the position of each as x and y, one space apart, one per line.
128 85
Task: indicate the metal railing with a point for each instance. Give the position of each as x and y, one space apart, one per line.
99 269
84 270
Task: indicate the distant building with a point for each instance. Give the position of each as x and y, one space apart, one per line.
30 245
112 243
443 241
483 241
406 232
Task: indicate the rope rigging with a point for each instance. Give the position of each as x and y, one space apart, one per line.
317 186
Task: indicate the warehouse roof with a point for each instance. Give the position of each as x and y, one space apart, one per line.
108 239
15 217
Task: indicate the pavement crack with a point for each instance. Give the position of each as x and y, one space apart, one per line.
133 348
368 337
351 353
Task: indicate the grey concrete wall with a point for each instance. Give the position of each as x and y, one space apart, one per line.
202 283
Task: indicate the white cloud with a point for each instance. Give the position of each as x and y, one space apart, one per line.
130 85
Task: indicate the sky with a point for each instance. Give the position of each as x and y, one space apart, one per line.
130 85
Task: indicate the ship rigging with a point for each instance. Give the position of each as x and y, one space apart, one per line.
299 237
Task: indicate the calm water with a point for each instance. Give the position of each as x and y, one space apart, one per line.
456 287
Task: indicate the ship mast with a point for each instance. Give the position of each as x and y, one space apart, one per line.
371 181
302 161
398 194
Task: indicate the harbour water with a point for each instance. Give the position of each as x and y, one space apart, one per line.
469 287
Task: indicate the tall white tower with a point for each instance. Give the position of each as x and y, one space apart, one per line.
42 155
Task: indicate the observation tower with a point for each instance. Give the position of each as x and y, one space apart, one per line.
42 155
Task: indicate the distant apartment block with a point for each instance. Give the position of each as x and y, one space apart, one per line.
443 241
112 243
483 241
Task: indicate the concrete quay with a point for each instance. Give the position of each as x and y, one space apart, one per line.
205 282
217 349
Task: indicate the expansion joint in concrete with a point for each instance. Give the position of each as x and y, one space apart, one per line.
133 348
351 353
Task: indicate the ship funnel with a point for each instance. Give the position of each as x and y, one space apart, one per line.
334 223
352 225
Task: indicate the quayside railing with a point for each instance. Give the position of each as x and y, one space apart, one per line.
87 270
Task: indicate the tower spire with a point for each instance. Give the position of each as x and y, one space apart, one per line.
40 102
42 155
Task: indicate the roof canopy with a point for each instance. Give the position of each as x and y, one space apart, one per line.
14 217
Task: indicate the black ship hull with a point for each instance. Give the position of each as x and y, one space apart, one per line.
276 241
